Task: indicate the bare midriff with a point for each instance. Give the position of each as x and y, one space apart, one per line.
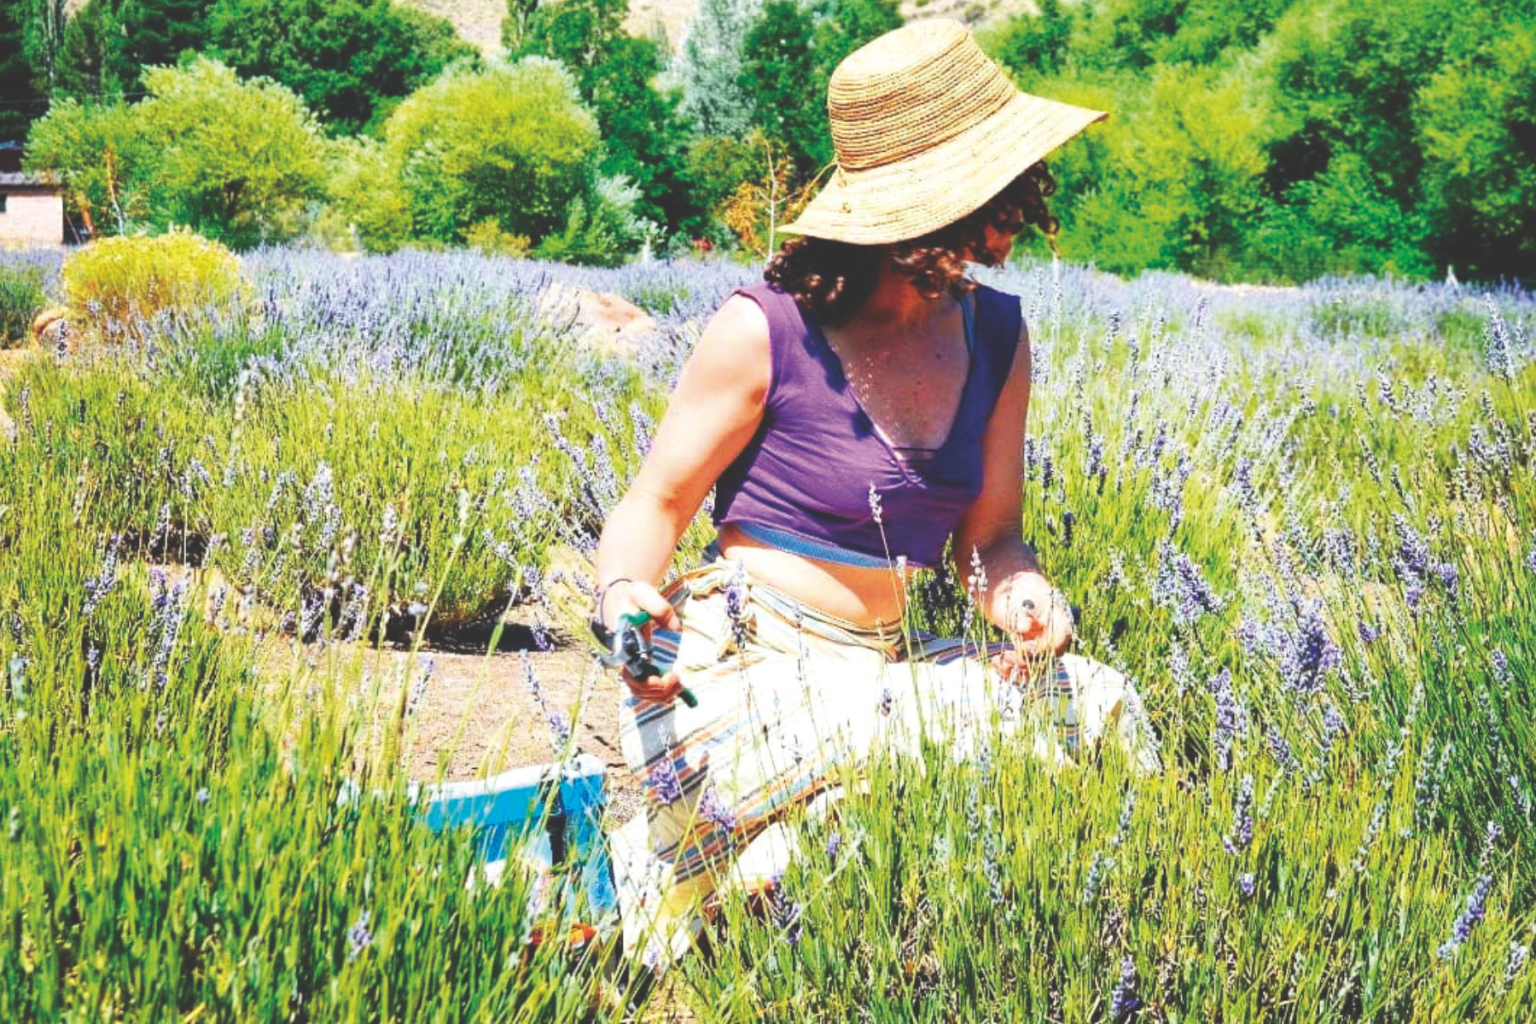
867 597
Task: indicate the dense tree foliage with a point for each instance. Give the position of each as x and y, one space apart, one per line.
21 95
235 160
1287 138
349 59
616 75
505 155
708 67
1249 139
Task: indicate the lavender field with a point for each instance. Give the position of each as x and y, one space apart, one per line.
1303 520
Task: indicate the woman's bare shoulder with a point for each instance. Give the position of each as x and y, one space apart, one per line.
735 349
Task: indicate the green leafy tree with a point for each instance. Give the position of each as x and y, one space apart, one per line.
849 24
87 67
19 79
105 160
1477 125
43 35
645 138
161 31
781 77
1036 45
239 159
509 143
581 34
708 68
1179 180
234 160
349 59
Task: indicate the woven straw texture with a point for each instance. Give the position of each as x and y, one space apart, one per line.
927 128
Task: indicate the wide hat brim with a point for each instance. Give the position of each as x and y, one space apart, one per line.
923 191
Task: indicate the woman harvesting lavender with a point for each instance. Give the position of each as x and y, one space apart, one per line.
858 410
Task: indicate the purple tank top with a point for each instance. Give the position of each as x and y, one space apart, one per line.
807 472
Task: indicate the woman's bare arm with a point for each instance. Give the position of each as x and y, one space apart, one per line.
713 412
990 528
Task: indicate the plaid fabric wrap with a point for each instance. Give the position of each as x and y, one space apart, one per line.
787 697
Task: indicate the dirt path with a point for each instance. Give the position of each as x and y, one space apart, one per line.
472 713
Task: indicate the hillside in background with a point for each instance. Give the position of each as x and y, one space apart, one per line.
479 21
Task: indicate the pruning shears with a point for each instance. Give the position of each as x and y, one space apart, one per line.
629 648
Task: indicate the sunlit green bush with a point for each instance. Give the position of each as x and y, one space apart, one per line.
117 284
21 296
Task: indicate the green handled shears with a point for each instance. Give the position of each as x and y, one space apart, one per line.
630 648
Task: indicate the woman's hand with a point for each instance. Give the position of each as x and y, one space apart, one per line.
632 598
1040 619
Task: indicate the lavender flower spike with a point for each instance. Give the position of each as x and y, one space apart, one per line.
1124 1001
1477 907
715 810
666 787
1241 835
359 937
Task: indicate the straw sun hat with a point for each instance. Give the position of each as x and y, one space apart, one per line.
927 128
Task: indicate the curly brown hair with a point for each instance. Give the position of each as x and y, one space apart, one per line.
835 279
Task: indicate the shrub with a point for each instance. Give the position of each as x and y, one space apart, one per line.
488 237
116 283
21 296
510 143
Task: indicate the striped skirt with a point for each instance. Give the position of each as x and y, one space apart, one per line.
788 698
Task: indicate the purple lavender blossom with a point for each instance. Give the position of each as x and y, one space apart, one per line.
1518 956
1498 348
666 787
1256 637
1333 726
1124 1001
1368 633
359 937
424 670
1242 488
887 701
169 612
834 846
1412 559
1241 835
1246 884
559 724
1181 586
1231 722
99 586
1492 833
1308 656
1477 907
736 605
1501 673
715 811
1096 467
786 913
1339 548
1280 749
1100 867
559 730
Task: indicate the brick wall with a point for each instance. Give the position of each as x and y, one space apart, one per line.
32 219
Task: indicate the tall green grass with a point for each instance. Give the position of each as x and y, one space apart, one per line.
1345 469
